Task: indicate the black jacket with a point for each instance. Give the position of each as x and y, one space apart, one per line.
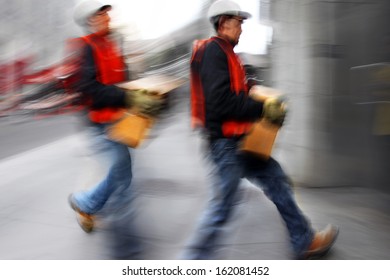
221 103
99 95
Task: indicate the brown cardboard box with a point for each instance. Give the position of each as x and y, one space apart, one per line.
260 140
261 93
132 129
159 84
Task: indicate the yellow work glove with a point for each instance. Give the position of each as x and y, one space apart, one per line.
274 110
147 103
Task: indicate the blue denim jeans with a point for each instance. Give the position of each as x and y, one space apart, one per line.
231 166
117 181
113 196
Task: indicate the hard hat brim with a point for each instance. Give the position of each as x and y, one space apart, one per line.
105 8
244 15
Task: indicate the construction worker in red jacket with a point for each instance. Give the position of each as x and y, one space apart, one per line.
101 67
223 110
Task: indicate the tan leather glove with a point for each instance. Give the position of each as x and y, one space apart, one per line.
147 103
274 110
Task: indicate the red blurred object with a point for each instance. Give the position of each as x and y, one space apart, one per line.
56 85
40 77
13 73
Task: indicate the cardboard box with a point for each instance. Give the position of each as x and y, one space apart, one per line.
159 84
260 140
133 128
130 130
261 93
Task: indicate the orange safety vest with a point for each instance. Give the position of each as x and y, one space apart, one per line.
230 128
110 70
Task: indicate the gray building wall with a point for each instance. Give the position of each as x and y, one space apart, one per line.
328 139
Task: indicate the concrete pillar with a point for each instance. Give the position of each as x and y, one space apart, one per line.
316 44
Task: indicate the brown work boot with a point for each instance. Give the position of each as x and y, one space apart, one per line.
322 242
86 221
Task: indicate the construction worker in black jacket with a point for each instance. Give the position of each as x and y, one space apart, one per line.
222 108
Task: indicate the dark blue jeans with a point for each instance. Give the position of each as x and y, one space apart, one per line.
231 166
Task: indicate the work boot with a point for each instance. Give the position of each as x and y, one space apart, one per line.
322 242
86 221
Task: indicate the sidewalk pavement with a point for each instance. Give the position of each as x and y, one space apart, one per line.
36 222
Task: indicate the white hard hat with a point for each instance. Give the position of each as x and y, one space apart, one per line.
226 7
87 8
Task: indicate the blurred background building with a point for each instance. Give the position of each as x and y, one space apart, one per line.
330 58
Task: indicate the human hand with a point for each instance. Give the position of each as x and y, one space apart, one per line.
147 103
274 110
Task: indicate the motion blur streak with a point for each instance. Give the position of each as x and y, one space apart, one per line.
330 59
